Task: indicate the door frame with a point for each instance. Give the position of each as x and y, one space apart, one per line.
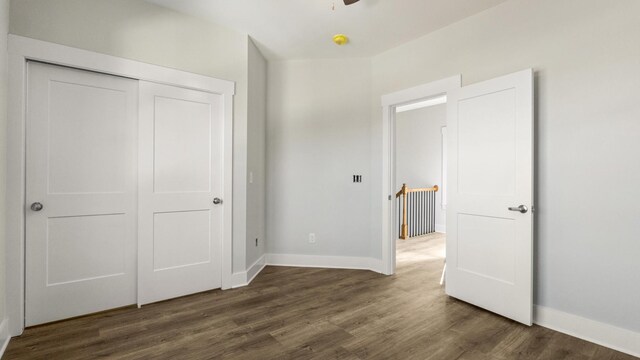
21 50
389 103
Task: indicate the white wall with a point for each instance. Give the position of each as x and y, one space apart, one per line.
4 30
141 31
586 54
256 154
318 138
419 151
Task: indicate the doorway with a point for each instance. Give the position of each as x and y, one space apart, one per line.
406 100
490 189
420 158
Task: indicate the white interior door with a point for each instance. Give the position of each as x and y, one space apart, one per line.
489 241
180 172
80 193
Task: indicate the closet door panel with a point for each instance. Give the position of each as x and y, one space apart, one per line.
180 228
81 183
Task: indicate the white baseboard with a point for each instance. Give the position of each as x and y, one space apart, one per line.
244 278
376 265
441 228
319 261
238 279
4 336
256 268
610 336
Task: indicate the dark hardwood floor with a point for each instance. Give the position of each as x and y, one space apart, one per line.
301 313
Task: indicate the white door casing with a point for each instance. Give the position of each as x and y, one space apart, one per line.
489 247
180 173
81 166
389 102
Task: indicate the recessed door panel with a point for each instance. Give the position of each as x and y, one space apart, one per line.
486 144
83 248
80 193
181 238
480 238
86 135
182 145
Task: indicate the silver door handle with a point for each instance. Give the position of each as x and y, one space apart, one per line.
217 201
523 209
36 206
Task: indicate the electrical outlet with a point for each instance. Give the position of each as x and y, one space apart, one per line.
256 241
312 238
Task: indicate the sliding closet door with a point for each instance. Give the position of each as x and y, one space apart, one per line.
180 174
80 192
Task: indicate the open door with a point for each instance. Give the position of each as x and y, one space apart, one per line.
489 213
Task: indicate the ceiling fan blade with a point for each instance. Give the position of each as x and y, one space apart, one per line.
349 2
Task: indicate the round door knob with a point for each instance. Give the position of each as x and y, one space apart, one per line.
217 201
36 206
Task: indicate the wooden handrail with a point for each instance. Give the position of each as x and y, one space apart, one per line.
404 229
399 193
434 189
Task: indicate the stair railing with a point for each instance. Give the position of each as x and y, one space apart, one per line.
416 211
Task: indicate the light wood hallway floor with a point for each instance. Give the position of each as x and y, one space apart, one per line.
300 313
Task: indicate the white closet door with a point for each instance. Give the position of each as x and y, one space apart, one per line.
489 214
80 193
180 173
